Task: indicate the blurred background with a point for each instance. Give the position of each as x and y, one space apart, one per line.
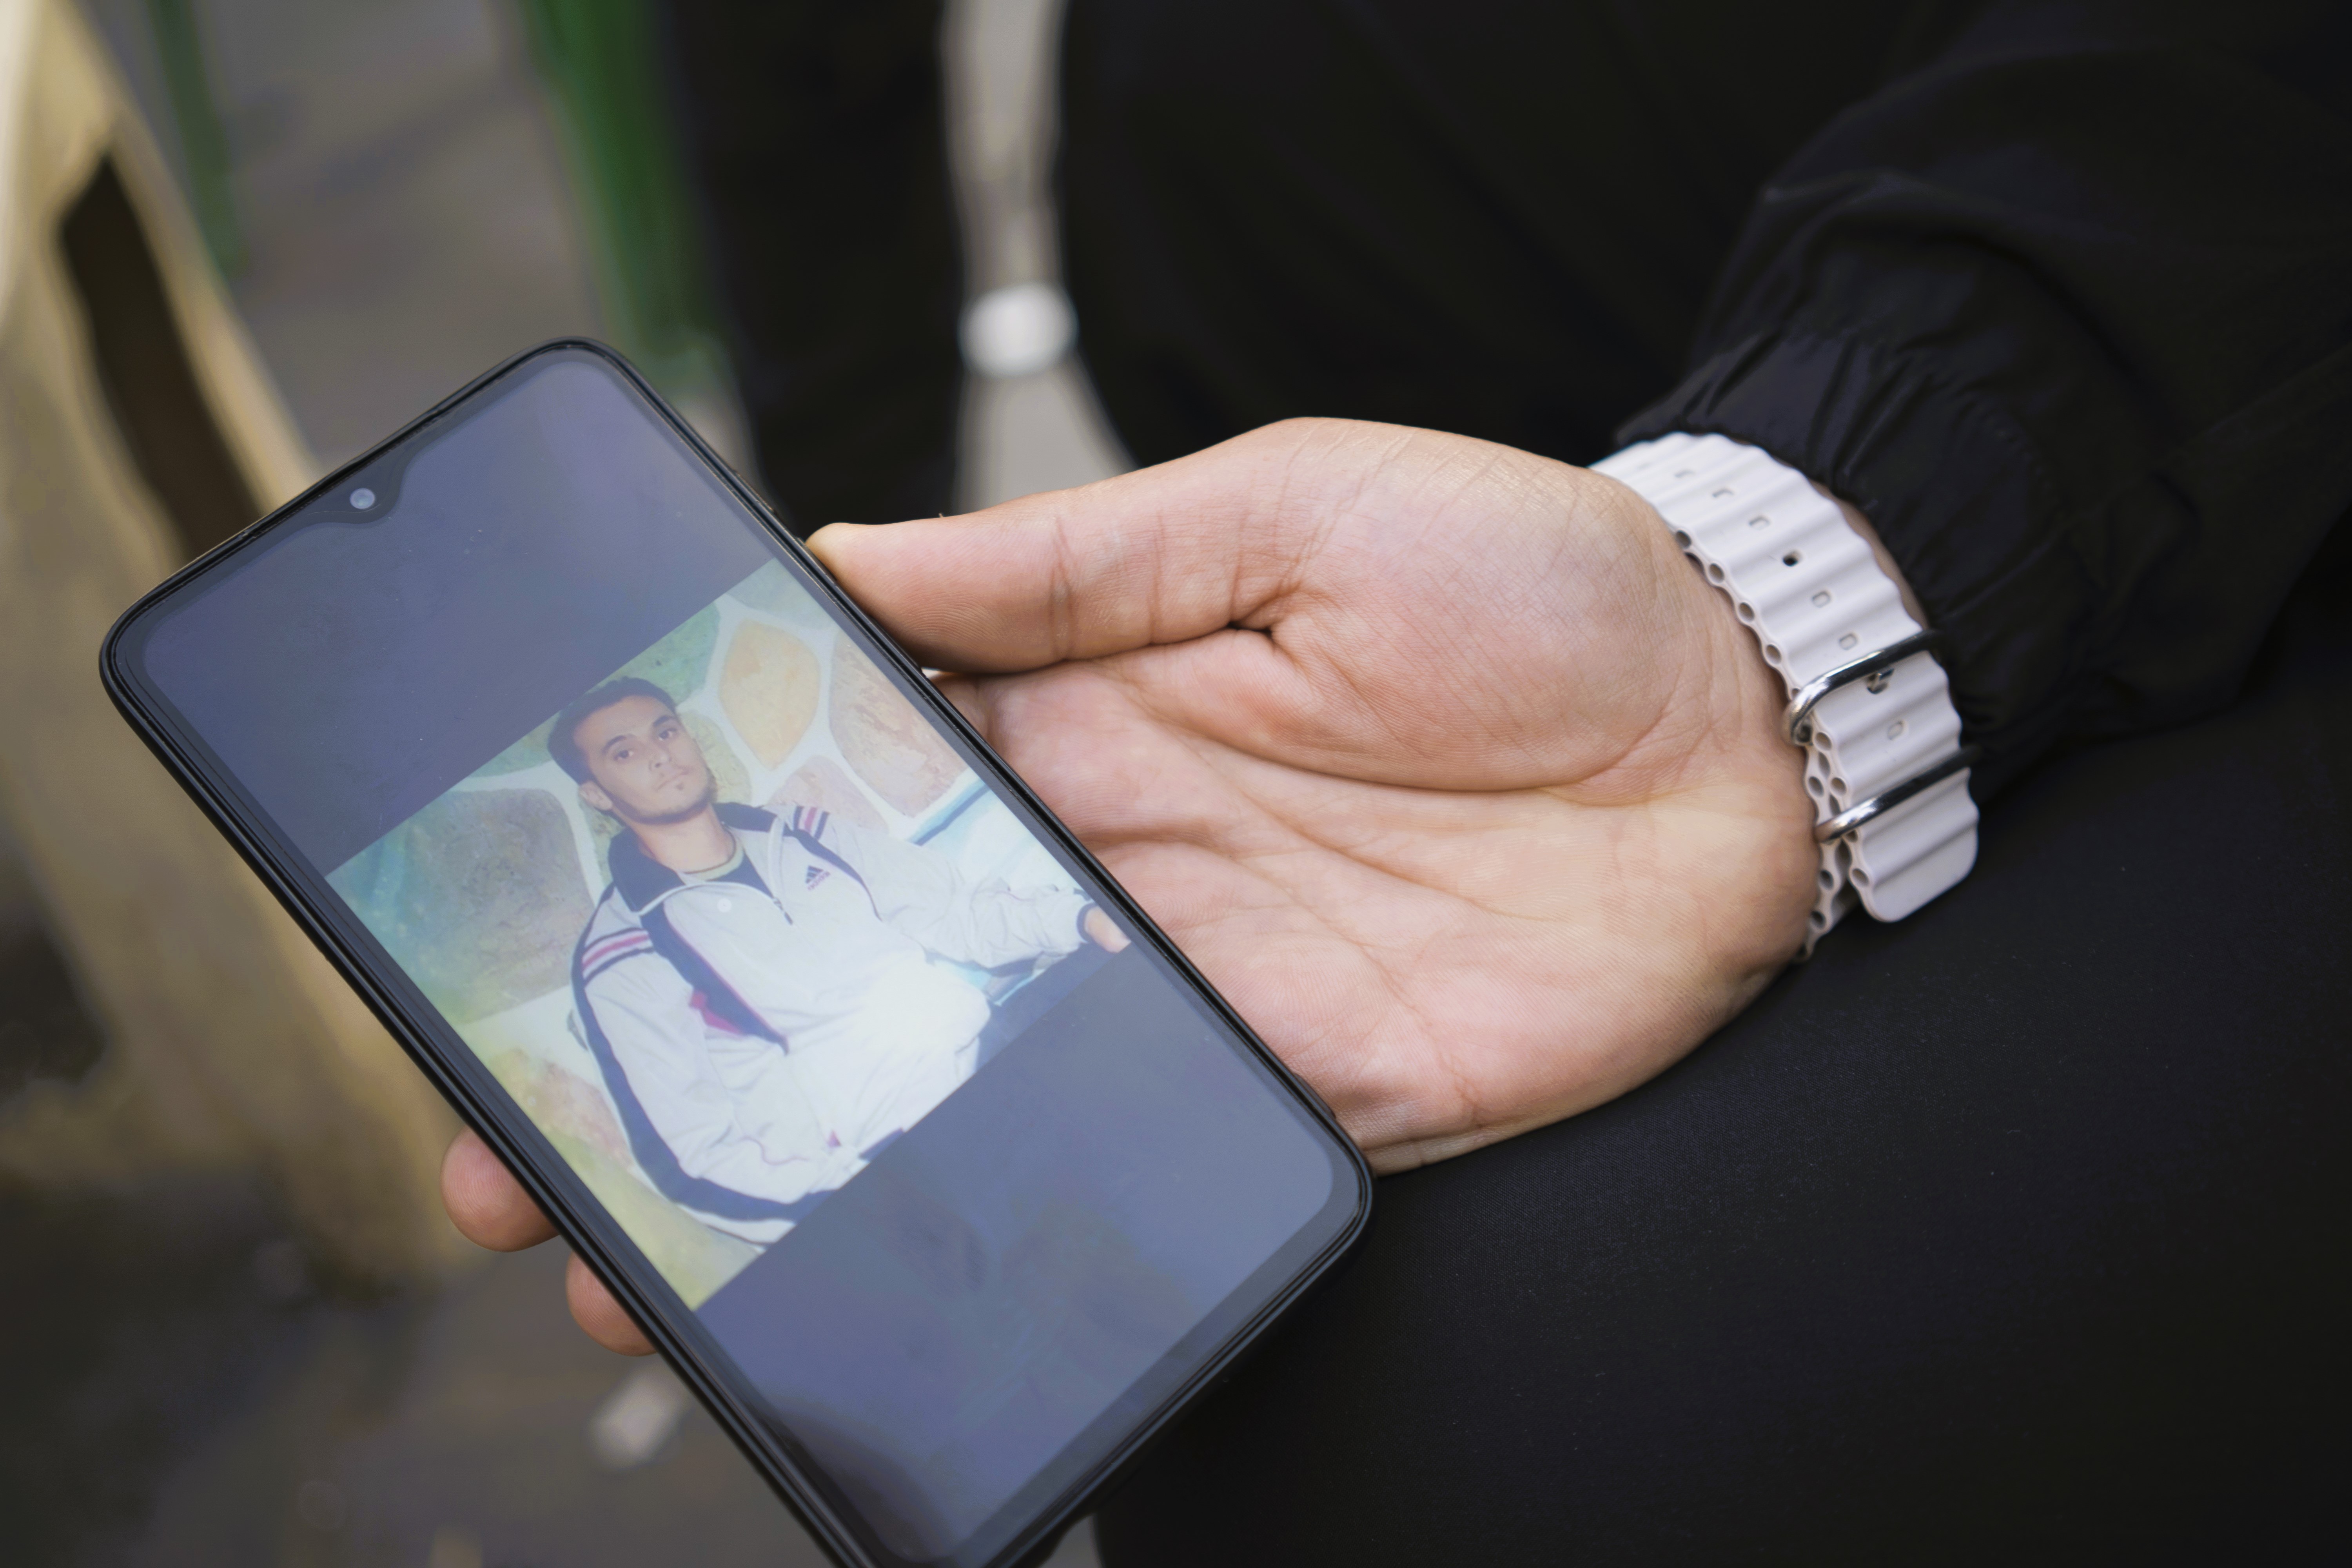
244 240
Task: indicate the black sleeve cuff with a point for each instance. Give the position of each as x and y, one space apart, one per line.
2037 588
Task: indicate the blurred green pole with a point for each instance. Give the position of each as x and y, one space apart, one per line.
204 144
600 59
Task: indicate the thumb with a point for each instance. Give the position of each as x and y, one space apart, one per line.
1162 556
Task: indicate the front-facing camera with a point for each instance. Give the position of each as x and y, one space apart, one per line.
362 499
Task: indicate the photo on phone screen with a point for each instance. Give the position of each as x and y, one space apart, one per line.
953 1174
728 925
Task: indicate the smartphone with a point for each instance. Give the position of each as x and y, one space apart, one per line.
936 1171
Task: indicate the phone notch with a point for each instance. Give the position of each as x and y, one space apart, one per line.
369 492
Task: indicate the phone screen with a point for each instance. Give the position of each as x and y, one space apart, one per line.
956 1179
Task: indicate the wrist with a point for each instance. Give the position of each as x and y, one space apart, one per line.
1878 552
1809 580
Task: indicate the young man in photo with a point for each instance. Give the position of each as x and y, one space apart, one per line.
759 988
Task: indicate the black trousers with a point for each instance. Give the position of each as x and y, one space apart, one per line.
2013 1228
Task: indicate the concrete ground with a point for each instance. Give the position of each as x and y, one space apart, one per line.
179 1388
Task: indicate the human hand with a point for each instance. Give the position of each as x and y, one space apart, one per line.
1436 757
1101 931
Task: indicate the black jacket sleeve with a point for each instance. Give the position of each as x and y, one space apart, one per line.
2066 309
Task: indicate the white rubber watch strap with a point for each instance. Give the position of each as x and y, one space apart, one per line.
1807 585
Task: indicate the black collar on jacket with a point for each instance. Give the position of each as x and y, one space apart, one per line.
640 879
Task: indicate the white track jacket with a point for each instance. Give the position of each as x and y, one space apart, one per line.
762 1042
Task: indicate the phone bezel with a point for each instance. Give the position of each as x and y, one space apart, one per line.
483 1105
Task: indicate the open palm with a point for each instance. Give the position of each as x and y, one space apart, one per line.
1434 756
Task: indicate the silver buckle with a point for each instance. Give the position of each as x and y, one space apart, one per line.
1874 666
1886 800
